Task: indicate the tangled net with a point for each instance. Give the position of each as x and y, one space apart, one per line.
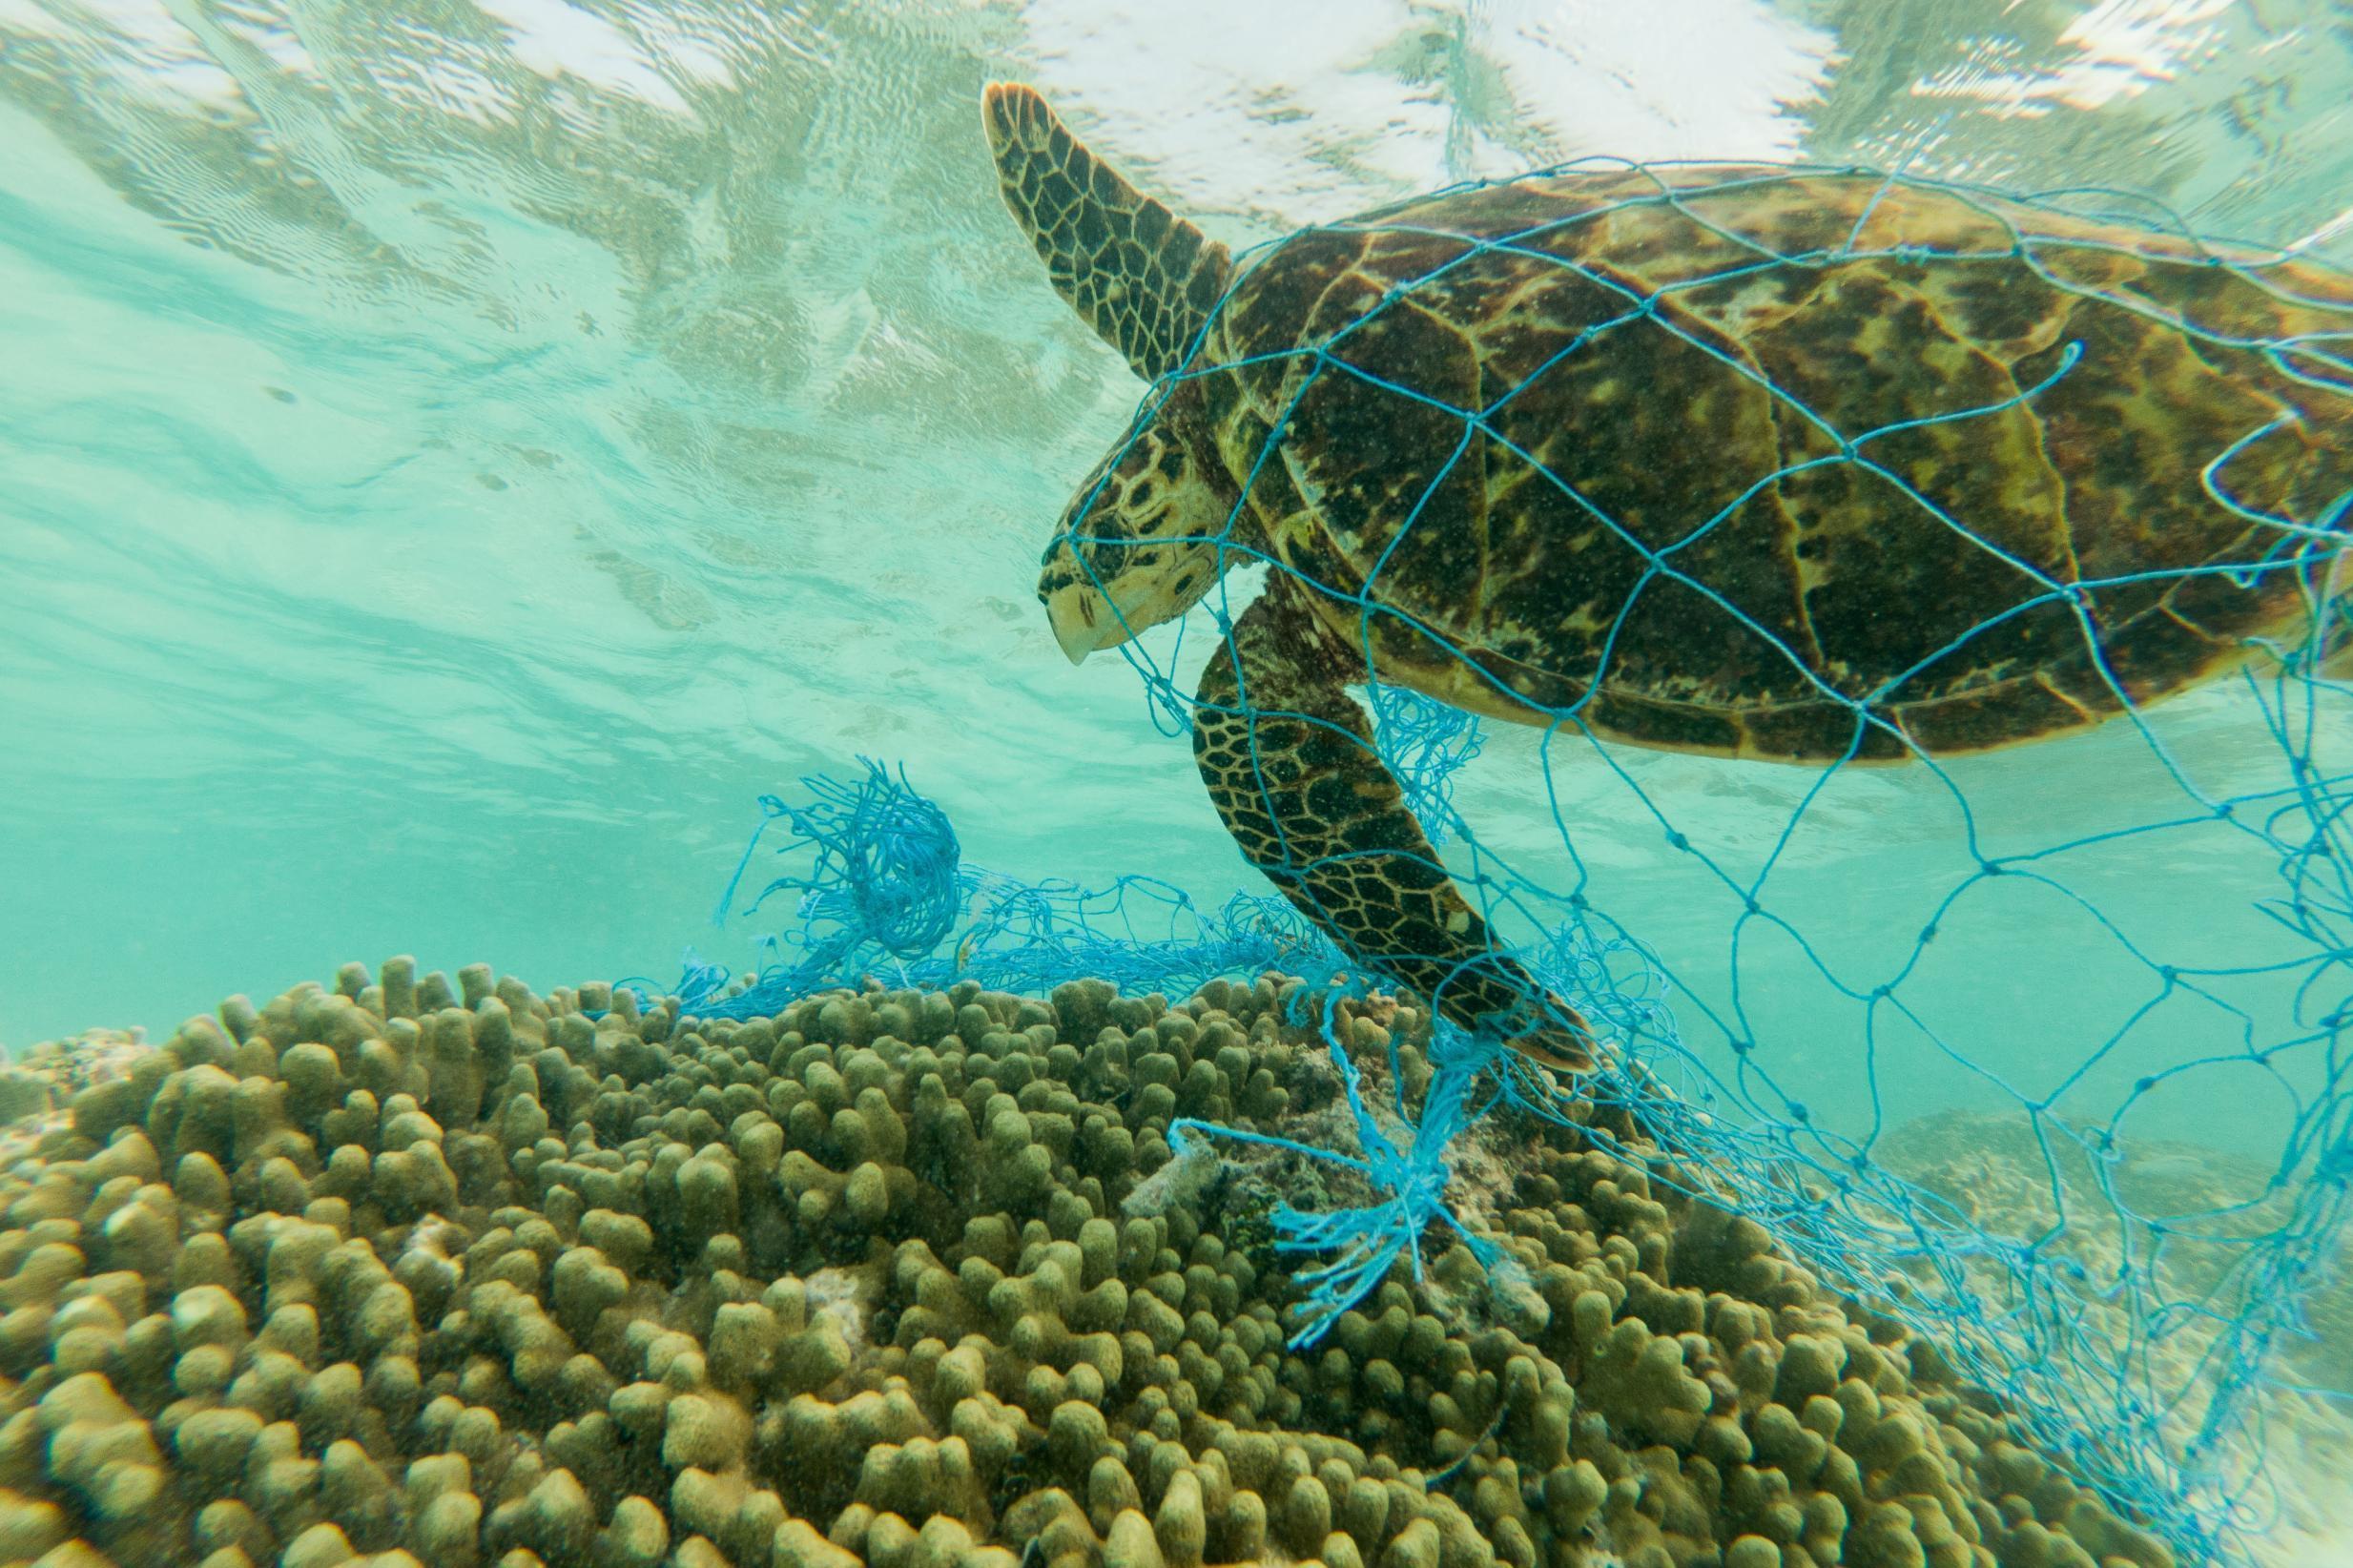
2139 1336
886 879
884 889
2140 1325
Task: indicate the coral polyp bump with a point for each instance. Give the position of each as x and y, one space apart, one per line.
407 1272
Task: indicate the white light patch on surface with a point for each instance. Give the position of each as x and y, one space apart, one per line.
559 40
160 60
267 30
2123 49
2322 235
1325 108
688 42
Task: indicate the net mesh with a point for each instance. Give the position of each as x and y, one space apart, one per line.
2140 1380
1802 1045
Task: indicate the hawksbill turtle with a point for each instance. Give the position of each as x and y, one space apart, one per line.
1802 465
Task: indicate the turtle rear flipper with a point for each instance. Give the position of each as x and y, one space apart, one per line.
1290 764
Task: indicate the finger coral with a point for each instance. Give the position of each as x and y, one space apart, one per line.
409 1272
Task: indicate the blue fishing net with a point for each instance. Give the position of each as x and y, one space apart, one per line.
2134 1311
1425 743
2134 1317
1360 1245
883 880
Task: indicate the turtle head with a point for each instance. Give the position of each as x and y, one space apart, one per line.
1150 532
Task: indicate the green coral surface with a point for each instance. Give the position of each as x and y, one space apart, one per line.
413 1273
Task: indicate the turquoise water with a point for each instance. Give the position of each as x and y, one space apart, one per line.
447 473
452 461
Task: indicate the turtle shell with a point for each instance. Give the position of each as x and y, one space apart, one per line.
1784 463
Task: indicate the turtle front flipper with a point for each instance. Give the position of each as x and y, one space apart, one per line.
1290 761
1142 277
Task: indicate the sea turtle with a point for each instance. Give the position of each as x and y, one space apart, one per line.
1757 462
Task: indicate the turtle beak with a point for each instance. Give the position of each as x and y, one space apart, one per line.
1083 620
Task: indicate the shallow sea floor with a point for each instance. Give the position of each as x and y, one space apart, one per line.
918 1278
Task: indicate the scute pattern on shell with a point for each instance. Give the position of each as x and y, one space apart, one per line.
1752 446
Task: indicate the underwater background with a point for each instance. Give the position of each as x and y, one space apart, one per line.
454 461
455 457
